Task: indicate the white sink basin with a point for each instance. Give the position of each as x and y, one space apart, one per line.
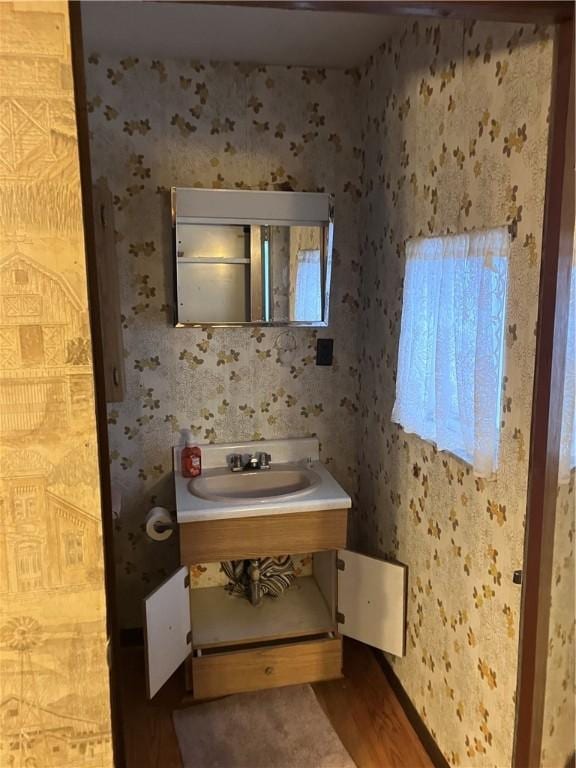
259 486
296 482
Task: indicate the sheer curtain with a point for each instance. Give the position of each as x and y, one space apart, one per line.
308 291
450 361
568 430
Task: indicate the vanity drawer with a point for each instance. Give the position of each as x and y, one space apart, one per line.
220 674
208 541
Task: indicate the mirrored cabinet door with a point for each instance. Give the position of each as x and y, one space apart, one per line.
233 271
297 273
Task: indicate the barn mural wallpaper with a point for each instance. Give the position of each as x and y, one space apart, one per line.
54 698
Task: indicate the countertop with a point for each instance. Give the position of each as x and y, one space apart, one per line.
327 495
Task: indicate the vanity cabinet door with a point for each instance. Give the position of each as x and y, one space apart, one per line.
372 601
167 629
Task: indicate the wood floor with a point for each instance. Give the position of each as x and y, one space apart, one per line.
361 707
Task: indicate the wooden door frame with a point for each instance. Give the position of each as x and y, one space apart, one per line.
521 11
550 346
81 110
548 389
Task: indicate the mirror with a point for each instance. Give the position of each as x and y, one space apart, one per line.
247 262
296 279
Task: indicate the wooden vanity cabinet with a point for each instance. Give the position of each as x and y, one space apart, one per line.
230 646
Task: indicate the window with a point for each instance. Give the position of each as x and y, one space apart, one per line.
20 277
25 502
31 344
450 361
28 566
74 549
568 430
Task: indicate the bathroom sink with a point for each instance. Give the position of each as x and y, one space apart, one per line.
297 481
282 482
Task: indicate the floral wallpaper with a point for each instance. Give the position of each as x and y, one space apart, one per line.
559 734
54 692
454 137
162 123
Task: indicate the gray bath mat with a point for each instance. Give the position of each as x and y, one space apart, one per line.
278 728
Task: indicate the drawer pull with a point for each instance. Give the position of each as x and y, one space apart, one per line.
269 670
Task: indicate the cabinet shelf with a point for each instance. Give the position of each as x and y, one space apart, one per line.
222 619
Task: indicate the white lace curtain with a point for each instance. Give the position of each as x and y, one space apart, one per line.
450 361
568 431
308 292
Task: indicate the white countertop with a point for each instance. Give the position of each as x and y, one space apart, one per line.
327 495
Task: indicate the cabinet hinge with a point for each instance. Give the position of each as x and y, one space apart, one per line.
189 637
340 564
340 618
186 581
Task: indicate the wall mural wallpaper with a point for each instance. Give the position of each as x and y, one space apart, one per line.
156 124
455 137
54 697
445 128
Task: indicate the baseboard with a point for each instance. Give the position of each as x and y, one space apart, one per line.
131 637
433 750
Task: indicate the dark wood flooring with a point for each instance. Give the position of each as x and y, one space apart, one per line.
361 706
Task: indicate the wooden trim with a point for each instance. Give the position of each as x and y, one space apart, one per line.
208 541
551 337
433 750
490 10
81 113
133 637
108 292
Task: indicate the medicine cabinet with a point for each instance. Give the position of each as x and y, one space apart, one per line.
251 258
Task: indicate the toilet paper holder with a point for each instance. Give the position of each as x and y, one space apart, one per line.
162 527
160 524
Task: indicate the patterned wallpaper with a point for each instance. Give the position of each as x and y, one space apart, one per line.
454 137
159 123
559 734
54 697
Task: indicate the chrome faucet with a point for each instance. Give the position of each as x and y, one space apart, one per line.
236 462
264 459
256 461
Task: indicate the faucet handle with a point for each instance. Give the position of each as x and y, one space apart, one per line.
236 462
264 460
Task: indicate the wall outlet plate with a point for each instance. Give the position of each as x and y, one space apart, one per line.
324 351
